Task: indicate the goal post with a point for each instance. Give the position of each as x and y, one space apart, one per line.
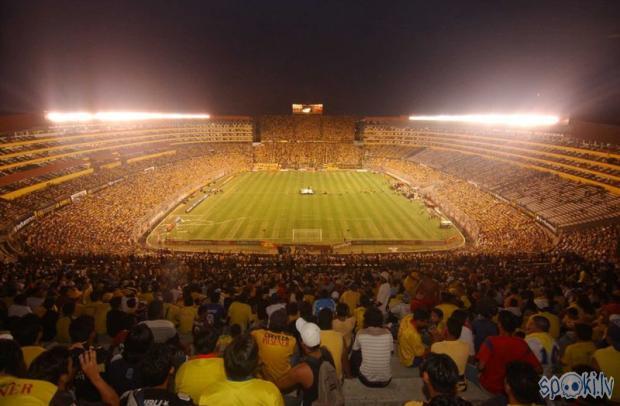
307 235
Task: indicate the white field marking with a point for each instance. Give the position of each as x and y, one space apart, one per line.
307 234
192 223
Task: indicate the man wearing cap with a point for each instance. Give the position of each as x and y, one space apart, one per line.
607 359
542 303
306 373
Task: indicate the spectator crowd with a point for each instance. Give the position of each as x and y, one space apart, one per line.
272 330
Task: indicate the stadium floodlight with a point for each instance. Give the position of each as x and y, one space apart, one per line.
81 116
515 120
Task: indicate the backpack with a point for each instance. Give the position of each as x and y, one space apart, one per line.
329 387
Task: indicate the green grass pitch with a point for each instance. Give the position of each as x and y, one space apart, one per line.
268 206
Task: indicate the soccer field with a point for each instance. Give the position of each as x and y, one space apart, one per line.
267 207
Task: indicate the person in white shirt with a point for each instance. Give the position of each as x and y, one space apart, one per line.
467 336
19 308
376 345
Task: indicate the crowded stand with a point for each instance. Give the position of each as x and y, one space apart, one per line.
306 128
272 322
309 154
89 315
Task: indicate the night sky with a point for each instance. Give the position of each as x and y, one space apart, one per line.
258 56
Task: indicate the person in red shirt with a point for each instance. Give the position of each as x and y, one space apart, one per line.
498 351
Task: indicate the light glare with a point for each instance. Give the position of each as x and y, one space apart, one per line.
516 120
81 116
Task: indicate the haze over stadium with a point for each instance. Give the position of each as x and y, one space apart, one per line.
302 203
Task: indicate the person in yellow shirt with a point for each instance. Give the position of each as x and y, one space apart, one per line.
203 369
455 349
171 310
607 360
410 283
240 312
187 315
542 304
16 391
542 344
344 324
276 349
351 297
28 333
98 309
447 305
241 388
63 323
359 312
411 347
334 342
579 353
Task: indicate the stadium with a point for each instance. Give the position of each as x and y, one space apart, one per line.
309 203
309 183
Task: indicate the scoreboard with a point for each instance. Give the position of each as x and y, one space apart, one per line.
299 108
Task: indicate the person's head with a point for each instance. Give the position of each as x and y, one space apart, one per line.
235 330
68 309
365 301
132 304
310 335
440 375
373 317
342 310
95 295
20 299
54 365
454 327
613 334
507 322
572 313
205 340
115 302
82 330
27 330
11 358
137 343
241 357
155 310
214 297
292 309
278 321
305 310
447 297
157 366
487 309
325 318
538 324
460 315
521 383
421 317
436 315
324 294
583 331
